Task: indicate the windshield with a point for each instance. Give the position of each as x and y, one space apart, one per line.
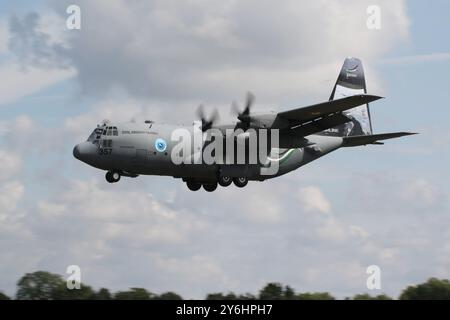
95 135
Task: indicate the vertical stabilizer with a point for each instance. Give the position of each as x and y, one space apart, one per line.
351 81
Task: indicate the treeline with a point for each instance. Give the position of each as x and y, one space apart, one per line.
43 285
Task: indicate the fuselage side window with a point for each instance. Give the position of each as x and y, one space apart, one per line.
107 143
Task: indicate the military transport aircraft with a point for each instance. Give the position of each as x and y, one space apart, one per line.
136 148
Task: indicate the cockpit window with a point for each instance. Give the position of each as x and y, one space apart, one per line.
95 135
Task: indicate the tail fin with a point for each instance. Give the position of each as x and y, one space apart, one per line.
351 81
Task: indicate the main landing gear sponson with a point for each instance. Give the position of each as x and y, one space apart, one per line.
112 176
223 181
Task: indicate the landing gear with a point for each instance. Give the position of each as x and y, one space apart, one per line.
210 187
112 176
240 182
225 181
193 186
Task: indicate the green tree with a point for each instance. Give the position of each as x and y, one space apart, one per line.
221 296
366 296
134 294
289 293
4 296
215 296
433 289
275 291
39 285
84 293
315 296
103 294
168 296
230 296
246 296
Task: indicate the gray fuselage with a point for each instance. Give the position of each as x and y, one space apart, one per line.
132 149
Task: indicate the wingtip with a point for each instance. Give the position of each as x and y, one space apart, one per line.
376 97
408 133
371 96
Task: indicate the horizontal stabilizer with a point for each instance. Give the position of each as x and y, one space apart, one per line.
354 141
305 114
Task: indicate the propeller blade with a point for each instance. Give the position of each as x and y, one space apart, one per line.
244 116
201 112
215 116
207 123
235 109
249 102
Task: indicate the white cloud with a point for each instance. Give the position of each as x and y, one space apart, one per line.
16 135
4 37
333 230
23 82
312 199
422 191
264 206
431 57
220 49
203 267
10 194
24 51
130 215
330 228
11 164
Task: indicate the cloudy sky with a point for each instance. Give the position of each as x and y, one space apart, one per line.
316 229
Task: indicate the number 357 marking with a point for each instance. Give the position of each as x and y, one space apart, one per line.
105 152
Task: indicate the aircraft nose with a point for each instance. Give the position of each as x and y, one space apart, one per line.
77 152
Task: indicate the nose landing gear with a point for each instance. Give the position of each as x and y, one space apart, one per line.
112 176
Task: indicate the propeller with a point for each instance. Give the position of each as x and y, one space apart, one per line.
244 116
207 123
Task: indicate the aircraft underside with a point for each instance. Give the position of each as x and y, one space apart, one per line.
211 176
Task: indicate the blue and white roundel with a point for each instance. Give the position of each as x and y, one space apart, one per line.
160 145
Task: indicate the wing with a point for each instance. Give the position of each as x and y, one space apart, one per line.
320 124
300 116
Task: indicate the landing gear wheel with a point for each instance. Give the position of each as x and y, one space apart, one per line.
225 181
210 187
193 186
112 176
240 182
